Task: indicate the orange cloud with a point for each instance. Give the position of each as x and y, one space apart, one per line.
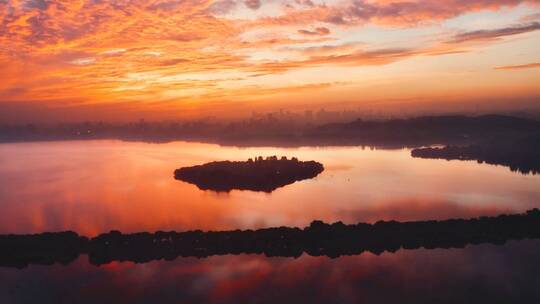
142 53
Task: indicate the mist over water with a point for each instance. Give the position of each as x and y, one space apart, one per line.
484 274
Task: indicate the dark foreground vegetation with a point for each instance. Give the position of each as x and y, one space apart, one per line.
257 174
521 154
319 239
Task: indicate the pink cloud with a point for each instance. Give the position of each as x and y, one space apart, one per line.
319 31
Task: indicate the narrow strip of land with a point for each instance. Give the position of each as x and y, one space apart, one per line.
318 239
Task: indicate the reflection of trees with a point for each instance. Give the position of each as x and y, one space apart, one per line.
520 155
319 239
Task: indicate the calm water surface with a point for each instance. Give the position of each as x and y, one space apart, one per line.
95 186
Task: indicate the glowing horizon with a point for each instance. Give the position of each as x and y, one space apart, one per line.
123 59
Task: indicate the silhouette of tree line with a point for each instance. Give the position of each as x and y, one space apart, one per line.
521 154
411 132
318 239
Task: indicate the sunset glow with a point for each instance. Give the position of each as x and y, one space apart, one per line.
170 59
269 151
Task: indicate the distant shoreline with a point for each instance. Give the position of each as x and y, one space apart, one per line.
494 139
412 132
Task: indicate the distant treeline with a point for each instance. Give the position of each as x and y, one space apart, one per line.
413 132
494 139
521 154
318 239
425 131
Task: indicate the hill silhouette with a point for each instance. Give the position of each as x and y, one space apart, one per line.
427 130
395 133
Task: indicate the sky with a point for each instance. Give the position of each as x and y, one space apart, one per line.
67 60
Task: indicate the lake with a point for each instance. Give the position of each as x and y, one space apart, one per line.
92 187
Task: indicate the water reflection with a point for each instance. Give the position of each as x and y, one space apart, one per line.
319 239
96 186
484 274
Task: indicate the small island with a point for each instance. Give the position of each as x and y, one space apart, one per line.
258 174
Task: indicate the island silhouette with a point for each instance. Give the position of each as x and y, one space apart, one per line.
318 239
258 174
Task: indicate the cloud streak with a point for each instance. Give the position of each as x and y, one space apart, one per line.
320 31
520 66
495 34
389 12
